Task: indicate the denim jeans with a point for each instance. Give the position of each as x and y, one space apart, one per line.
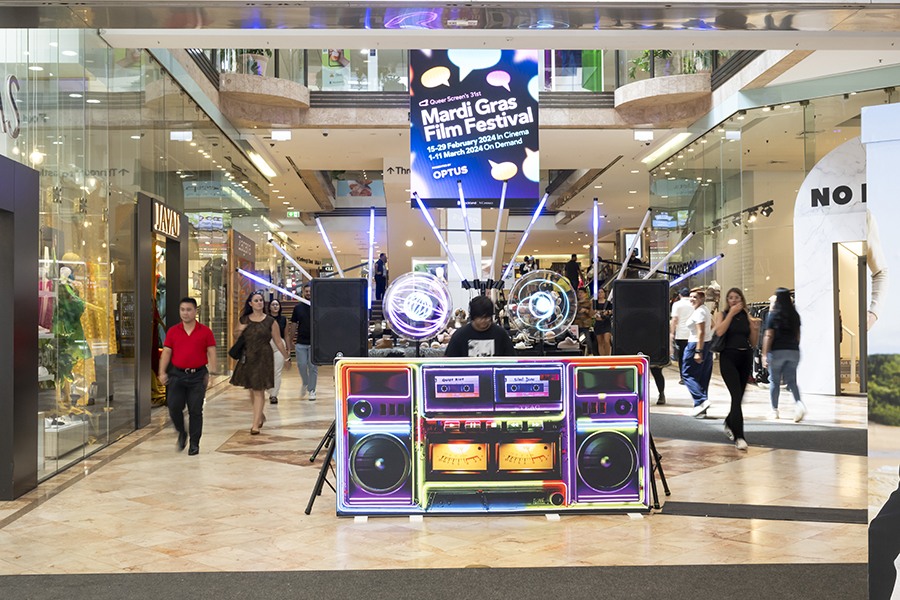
783 363
697 375
308 371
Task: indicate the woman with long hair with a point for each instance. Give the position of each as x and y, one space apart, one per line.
740 332
602 323
781 351
275 313
255 371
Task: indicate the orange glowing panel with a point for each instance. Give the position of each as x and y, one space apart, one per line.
459 457
527 456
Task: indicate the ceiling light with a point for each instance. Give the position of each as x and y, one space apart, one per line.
633 192
635 171
766 211
598 187
135 137
643 135
181 136
752 217
53 44
732 241
484 242
661 151
92 101
74 95
630 207
275 191
262 165
281 135
69 53
408 243
35 68
786 106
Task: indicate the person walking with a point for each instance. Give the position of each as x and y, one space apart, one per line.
740 333
275 313
584 320
188 357
603 323
300 326
781 351
380 277
255 371
573 272
679 334
697 369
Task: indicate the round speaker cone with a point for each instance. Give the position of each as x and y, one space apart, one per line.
606 460
623 407
379 463
362 409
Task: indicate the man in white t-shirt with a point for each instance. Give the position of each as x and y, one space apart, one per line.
681 312
697 369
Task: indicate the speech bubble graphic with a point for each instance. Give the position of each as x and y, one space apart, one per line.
503 171
436 76
531 166
534 87
472 60
499 79
525 55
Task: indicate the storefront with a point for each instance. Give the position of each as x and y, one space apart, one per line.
116 141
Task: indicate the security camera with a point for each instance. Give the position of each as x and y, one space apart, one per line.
646 143
324 133
272 145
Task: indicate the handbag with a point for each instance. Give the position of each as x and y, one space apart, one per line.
237 350
717 344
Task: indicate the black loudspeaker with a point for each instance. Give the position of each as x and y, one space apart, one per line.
340 319
640 321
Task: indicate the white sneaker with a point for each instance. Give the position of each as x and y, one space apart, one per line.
312 394
799 412
699 411
729 433
773 414
740 444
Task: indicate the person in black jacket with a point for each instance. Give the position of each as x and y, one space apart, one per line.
481 337
300 323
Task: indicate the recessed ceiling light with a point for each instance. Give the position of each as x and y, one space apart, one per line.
135 137
69 53
53 44
633 192
732 242
275 191
635 171
92 101
35 68
74 95
285 202
630 207
598 187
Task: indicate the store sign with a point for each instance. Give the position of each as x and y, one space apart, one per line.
9 111
166 220
474 120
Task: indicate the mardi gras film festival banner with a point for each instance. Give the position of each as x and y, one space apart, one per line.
474 119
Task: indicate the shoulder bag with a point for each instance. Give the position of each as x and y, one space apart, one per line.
237 350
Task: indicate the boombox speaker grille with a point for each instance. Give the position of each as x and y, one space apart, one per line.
339 319
641 319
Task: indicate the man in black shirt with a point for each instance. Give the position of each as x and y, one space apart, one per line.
300 323
481 337
380 276
573 272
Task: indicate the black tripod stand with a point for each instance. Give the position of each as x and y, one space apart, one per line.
328 442
655 465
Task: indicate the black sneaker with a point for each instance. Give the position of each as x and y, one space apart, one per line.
273 400
182 440
662 400
193 450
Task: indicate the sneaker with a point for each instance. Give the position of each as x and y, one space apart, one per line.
699 411
773 414
799 412
729 433
273 400
740 444
312 394
661 400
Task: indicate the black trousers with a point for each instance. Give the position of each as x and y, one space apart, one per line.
660 379
380 284
681 345
735 365
884 546
187 389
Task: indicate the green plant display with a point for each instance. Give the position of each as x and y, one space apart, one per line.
884 389
642 63
699 61
257 51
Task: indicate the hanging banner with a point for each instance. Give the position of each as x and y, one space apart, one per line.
474 119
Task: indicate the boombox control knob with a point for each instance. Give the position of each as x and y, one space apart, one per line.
623 407
466 388
536 387
444 388
557 499
362 409
513 387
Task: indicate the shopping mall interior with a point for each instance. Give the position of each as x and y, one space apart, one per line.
151 152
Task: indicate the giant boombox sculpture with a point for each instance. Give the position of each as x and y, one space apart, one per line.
496 435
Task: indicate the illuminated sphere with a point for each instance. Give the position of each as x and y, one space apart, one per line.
417 305
542 302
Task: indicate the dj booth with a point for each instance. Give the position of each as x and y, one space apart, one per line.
492 435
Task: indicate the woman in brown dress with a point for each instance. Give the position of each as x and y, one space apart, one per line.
256 370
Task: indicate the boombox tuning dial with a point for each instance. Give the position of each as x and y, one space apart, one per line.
623 407
362 409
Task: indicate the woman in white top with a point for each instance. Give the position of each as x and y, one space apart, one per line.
697 369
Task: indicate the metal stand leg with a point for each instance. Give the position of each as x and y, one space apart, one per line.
328 442
656 465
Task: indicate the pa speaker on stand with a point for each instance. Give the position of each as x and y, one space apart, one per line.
340 319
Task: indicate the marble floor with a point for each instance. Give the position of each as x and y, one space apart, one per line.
140 506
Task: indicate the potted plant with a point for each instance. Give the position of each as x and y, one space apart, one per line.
697 61
643 62
255 60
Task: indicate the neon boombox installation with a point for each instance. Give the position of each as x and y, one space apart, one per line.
500 435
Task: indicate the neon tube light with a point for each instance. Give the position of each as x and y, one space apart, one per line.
371 251
462 204
271 285
328 245
596 249
667 256
634 243
437 234
534 217
497 230
697 269
290 258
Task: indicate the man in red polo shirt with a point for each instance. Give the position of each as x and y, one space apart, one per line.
188 349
